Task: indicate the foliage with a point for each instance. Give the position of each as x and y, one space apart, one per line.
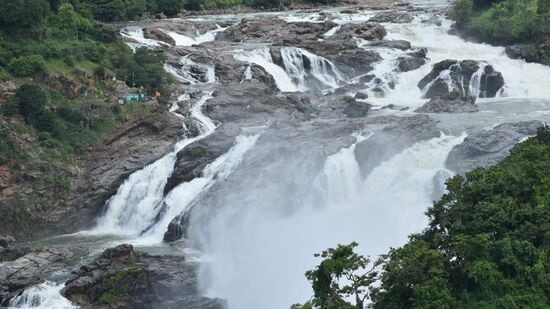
340 264
120 284
503 21
26 65
23 13
487 245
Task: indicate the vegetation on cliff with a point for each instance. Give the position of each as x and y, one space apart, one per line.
487 245
61 73
508 22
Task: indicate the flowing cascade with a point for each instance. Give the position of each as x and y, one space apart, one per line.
183 40
302 65
138 201
43 296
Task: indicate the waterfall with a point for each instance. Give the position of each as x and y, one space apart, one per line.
137 203
43 296
262 57
192 73
182 40
474 88
265 253
302 69
180 198
301 64
137 38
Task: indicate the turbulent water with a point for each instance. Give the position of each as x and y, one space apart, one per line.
274 200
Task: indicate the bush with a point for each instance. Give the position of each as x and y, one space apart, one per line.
462 12
27 65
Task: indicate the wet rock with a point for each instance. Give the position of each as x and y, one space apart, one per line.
355 108
396 134
397 44
5 241
453 102
397 17
192 160
29 269
174 231
521 51
124 278
406 64
418 52
361 96
9 254
159 35
366 31
483 149
453 75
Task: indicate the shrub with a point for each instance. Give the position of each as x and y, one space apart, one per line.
462 12
27 65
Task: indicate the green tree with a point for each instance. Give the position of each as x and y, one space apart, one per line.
170 8
341 275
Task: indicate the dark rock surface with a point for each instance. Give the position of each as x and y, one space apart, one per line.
397 44
487 148
366 31
396 134
398 17
454 75
30 269
123 278
453 102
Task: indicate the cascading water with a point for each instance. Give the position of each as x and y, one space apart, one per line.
301 64
302 69
192 73
138 201
259 253
43 296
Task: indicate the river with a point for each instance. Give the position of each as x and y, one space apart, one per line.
286 189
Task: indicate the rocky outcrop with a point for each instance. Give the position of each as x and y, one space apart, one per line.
395 135
397 44
274 30
192 160
30 269
463 76
366 31
412 60
483 149
397 17
124 278
158 35
453 102
355 108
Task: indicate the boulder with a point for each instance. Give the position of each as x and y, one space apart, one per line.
453 102
366 31
486 148
5 241
462 76
407 63
124 278
397 17
354 108
158 35
397 44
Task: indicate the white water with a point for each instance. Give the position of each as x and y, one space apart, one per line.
183 40
294 76
262 57
180 198
137 38
522 80
187 75
138 201
43 296
257 256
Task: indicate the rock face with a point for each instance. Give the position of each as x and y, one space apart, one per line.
487 148
366 31
274 30
123 278
397 44
397 134
29 269
397 17
354 108
469 77
453 102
